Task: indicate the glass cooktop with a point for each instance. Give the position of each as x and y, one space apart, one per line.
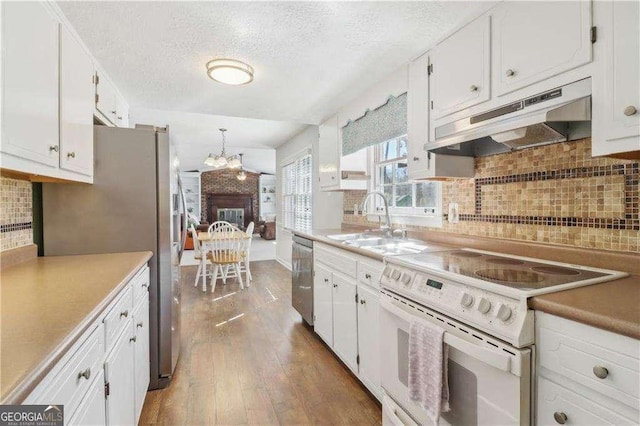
517 273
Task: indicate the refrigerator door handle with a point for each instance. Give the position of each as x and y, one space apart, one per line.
183 235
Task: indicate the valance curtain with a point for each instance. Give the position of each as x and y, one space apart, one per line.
381 124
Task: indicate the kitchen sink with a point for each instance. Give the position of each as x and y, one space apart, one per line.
381 245
344 237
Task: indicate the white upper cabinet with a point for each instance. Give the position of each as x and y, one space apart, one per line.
329 155
122 112
30 83
418 117
461 67
538 40
76 106
106 98
616 86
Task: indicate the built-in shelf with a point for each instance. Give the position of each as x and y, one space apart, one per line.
191 188
267 190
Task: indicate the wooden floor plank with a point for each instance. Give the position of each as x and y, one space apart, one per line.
248 358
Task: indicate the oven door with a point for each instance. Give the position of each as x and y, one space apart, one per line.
489 380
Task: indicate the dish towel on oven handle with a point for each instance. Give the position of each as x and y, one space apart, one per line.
428 382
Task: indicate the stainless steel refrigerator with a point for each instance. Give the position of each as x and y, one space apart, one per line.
135 203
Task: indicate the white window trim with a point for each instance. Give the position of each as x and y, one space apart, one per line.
415 216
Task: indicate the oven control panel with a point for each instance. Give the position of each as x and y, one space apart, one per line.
508 318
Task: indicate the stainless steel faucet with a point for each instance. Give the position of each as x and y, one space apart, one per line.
386 228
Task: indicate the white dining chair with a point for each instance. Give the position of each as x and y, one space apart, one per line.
198 254
227 245
247 256
217 224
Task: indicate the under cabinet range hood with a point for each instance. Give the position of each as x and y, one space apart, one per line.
557 115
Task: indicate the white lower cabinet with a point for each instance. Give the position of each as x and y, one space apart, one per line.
119 376
92 411
345 320
369 338
345 307
103 378
585 375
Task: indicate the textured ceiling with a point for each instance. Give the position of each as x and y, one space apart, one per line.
309 57
196 135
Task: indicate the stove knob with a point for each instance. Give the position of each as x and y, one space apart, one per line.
467 300
406 279
484 305
395 274
504 313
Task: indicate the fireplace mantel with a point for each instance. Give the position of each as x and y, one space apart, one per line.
221 201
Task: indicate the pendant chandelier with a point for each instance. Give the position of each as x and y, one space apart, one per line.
241 174
222 161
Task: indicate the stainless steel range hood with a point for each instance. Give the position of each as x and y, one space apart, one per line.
557 115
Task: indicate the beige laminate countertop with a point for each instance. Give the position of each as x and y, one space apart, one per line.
612 306
46 304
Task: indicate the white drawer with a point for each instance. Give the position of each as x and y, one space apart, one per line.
140 285
578 352
337 259
68 385
369 272
118 317
556 401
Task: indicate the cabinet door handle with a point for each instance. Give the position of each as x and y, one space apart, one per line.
510 73
335 285
53 148
416 158
133 339
113 112
326 280
367 276
86 374
600 372
119 118
559 417
473 88
71 154
124 313
363 301
140 324
630 110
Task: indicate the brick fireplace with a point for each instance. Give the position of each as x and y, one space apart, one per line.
230 207
220 183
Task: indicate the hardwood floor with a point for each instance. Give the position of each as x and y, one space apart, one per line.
247 358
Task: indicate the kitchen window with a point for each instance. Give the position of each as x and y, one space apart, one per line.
296 193
390 176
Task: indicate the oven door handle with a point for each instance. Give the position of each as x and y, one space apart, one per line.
486 355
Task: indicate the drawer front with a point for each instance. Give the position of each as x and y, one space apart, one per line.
555 404
69 386
336 259
369 273
592 357
140 285
118 317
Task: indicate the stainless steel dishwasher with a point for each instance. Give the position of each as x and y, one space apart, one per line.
302 277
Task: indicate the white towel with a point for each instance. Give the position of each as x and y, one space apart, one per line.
428 383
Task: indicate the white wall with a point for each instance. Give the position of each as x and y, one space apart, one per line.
327 206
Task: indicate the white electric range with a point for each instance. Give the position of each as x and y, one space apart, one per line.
480 299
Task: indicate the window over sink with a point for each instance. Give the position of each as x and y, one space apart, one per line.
390 176
296 193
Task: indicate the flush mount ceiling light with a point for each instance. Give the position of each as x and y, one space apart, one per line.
241 174
230 71
222 161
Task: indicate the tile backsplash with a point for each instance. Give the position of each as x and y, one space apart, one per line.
553 194
16 213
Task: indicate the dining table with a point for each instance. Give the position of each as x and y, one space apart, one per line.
206 239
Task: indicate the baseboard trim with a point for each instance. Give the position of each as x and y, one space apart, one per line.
283 263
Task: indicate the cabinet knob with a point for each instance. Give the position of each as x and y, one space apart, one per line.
326 280
71 154
367 276
124 313
559 417
133 339
363 302
416 158
510 73
335 286
119 118
630 110
53 148
140 324
86 374
473 88
113 112
333 177
600 372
